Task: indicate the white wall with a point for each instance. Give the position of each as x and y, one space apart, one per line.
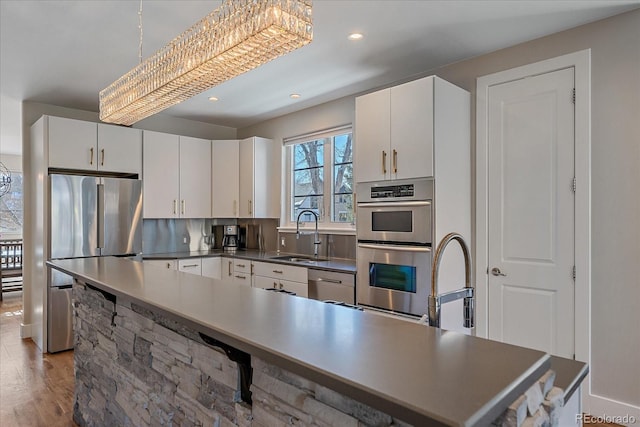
615 129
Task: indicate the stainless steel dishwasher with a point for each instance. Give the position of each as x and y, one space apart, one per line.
333 286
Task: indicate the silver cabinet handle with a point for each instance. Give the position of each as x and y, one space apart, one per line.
183 206
250 207
169 265
91 159
496 272
241 265
230 264
278 271
189 265
323 279
240 277
175 204
102 161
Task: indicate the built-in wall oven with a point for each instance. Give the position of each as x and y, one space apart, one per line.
394 232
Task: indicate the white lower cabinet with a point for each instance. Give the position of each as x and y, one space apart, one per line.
169 264
190 265
212 267
286 277
237 270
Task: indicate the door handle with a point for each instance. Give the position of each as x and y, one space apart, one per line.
250 207
230 264
384 162
183 206
91 159
496 272
395 161
102 154
175 202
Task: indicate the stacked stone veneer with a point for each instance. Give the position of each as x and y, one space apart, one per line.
136 367
540 406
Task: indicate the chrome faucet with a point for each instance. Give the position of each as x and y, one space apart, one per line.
316 240
436 301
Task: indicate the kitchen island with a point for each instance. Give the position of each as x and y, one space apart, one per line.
154 346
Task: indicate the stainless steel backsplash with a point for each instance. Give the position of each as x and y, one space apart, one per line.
185 235
332 245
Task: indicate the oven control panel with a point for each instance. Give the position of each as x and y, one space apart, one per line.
392 191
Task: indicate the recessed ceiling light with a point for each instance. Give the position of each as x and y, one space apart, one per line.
294 96
213 99
355 36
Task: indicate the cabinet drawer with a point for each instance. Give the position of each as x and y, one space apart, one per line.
170 264
243 279
242 266
279 271
190 265
299 288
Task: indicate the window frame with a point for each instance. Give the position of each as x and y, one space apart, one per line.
325 223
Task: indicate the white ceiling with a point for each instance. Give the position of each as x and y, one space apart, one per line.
64 52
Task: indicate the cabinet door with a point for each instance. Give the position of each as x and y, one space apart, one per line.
212 267
243 279
190 265
412 129
160 175
170 264
195 177
247 170
73 144
264 282
298 288
372 157
119 149
225 185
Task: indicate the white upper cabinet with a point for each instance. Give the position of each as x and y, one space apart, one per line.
259 194
73 144
80 145
372 136
411 151
225 185
160 175
195 177
176 176
395 128
119 149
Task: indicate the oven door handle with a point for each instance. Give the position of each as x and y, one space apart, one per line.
401 248
393 204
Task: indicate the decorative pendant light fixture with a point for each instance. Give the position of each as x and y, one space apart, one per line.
237 37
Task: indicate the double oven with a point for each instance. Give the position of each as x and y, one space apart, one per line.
395 232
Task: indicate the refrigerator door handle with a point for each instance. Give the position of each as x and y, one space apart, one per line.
100 219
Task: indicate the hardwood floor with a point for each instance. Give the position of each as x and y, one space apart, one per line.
35 389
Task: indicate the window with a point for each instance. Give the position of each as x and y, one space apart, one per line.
321 177
11 207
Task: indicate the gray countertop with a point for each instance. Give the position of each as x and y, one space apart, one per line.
340 265
422 375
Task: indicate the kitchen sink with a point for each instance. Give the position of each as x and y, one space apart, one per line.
298 258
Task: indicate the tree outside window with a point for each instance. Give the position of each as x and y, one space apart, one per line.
11 207
322 179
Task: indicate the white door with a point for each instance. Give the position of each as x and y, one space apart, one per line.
531 212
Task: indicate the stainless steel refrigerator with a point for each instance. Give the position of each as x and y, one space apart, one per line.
89 216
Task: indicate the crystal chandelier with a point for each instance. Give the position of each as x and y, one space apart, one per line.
237 37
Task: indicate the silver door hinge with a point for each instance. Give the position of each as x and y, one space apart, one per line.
574 184
573 272
573 95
